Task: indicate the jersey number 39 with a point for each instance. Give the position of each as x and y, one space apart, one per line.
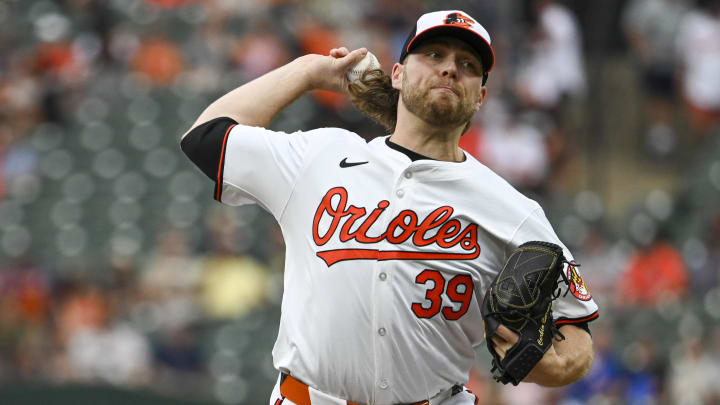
459 290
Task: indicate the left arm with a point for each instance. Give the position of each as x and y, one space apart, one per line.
564 363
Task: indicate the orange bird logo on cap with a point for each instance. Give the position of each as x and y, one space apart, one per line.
459 19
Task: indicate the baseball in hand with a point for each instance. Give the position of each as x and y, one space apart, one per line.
369 62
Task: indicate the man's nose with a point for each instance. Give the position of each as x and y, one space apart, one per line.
449 69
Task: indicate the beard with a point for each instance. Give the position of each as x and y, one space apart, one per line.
436 110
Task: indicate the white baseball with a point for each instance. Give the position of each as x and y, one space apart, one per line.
369 62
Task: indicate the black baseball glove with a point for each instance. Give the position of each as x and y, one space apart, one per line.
521 298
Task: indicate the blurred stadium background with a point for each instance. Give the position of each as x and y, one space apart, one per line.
122 281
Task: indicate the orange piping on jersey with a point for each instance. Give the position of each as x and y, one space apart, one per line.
579 320
220 165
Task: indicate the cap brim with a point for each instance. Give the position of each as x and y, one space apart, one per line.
483 48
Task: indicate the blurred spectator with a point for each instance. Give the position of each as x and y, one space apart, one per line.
28 292
21 96
514 144
260 51
56 59
319 38
170 281
603 384
707 275
644 372
599 268
484 387
17 158
97 344
655 274
81 306
179 349
316 37
158 59
693 376
207 53
232 286
26 301
554 69
518 152
472 142
232 283
549 73
169 303
114 353
698 48
169 3
527 394
651 28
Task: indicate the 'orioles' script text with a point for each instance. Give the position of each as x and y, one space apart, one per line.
405 226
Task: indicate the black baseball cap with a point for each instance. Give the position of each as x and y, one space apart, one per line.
453 23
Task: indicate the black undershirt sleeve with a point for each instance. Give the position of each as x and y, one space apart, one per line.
205 143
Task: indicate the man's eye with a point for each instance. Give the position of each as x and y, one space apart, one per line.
433 54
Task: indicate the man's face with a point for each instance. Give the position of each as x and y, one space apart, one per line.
441 82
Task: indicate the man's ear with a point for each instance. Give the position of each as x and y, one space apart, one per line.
481 99
397 75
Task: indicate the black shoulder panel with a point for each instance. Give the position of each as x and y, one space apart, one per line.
205 144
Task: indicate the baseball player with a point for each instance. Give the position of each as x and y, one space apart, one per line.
390 244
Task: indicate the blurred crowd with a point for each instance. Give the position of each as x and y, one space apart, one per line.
116 267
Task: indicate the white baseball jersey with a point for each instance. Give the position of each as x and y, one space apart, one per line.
387 259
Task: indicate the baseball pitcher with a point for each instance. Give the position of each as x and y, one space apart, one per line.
403 253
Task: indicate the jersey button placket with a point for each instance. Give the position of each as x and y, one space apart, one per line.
403 182
383 322
382 318
386 299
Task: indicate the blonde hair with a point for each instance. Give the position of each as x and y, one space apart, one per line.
374 96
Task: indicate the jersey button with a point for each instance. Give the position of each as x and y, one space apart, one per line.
383 384
408 175
382 276
382 331
400 193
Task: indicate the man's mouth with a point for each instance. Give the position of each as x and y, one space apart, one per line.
447 89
